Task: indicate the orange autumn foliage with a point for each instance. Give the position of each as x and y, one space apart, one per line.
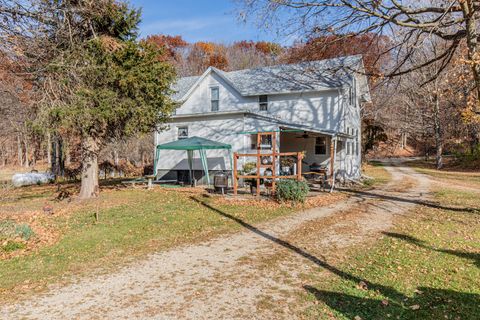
370 45
170 44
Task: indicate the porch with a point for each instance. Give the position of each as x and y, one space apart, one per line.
289 153
317 148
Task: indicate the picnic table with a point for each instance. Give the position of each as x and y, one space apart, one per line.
146 179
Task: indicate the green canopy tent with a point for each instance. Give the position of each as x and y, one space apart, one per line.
190 145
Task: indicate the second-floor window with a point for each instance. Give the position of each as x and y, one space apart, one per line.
356 142
215 98
263 103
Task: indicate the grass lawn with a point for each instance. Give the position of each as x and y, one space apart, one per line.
376 172
447 174
132 223
427 267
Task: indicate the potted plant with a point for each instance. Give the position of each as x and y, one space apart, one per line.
250 168
266 160
286 164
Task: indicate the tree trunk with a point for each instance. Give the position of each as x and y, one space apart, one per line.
438 131
49 151
27 147
115 163
34 156
66 152
89 187
19 150
58 157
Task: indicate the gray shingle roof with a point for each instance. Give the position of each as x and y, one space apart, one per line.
183 85
301 77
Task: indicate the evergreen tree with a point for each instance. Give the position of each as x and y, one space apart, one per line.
107 85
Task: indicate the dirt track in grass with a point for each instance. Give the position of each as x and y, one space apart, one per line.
252 274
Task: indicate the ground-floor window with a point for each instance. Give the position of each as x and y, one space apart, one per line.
321 145
182 132
265 142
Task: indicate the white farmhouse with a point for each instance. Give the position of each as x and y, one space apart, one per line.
313 106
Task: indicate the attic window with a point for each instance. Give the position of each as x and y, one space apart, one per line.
214 98
263 103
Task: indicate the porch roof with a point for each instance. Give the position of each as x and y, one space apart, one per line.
283 123
298 127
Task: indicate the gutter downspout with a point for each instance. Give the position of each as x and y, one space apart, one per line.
341 103
334 161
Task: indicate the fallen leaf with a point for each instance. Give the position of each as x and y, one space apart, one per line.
362 285
415 307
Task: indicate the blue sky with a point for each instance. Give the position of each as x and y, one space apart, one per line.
197 20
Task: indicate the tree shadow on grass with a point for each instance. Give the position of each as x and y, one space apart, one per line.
375 195
432 303
475 257
427 303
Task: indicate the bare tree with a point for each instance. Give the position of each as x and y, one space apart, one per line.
408 23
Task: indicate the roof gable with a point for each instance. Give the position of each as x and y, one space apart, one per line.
185 86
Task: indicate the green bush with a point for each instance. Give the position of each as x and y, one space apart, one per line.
292 190
11 230
24 231
249 167
12 246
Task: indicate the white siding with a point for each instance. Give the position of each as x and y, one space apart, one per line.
199 100
221 129
317 109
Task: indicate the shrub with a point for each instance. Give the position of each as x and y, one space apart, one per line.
11 230
23 231
249 167
292 190
12 246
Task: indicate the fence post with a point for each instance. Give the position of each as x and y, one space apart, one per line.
299 166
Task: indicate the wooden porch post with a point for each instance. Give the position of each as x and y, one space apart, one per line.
235 173
274 157
299 165
259 141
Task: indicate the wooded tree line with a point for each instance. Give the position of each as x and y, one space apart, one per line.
79 87
79 76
